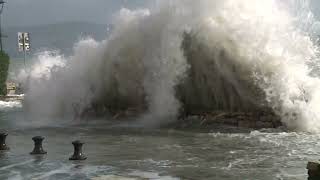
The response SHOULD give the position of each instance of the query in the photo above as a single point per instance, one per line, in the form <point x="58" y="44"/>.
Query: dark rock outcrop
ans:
<point x="252" y="120"/>
<point x="313" y="170"/>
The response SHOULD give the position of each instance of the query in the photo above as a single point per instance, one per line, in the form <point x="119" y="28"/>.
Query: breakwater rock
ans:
<point x="313" y="170"/>
<point x="252" y="120"/>
<point x="10" y="98"/>
<point x="208" y="119"/>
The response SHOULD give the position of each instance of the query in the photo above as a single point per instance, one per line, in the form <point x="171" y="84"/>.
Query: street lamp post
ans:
<point x="1" y="10"/>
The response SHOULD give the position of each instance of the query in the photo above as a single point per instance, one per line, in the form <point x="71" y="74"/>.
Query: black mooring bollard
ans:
<point x="77" y="155"/>
<point x="38" y="149"/>
<point x="3" y="146"/>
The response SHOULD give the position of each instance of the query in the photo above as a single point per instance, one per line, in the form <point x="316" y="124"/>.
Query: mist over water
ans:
<point x="233" y="55"/>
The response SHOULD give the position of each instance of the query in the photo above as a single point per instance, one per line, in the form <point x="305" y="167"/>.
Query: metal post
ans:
<point x="24" y="51"/>
<point x="24" y="58"/>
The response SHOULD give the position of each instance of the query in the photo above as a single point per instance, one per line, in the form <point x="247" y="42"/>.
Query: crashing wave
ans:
<point x="233" y="55"/>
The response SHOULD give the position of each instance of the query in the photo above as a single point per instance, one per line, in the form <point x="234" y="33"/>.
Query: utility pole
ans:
<point x="1" y="10"/>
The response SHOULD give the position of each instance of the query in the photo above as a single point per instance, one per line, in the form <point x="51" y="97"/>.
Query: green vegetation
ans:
<point x="4" y="67"/>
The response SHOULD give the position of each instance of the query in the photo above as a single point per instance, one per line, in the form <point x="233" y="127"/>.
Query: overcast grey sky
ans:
<point x="34" y="12"/>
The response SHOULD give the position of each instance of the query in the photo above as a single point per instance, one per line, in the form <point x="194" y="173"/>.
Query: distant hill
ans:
<point x="60" y="36"/>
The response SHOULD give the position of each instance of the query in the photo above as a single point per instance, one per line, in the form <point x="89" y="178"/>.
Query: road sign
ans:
<point x="23" y="44"/>
<point x="23" y="41"/>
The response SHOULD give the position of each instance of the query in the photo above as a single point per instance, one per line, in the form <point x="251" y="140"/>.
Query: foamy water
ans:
<point x="6" y="106"/>
<point x="137" y="154"/>
<point x="238" y="48"/>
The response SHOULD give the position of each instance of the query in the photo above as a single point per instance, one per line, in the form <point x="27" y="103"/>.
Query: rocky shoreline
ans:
<point x="12" y="98"/>
<point x="212" y="119"/>
<point x="251" y="120"/>
<point x="313" y="170"/>
<point x="9" y="98"/>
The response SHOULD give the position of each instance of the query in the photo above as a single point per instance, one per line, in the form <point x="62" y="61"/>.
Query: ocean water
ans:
<point x="118" y="150"/>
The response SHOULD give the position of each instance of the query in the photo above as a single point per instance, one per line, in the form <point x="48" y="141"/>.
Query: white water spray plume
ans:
<point x="233" y="55"/>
